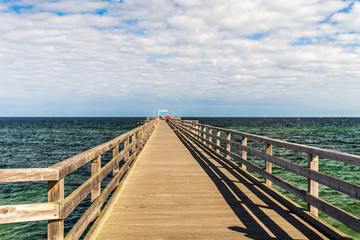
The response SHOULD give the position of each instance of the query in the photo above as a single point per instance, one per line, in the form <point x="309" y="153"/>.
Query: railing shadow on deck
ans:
<point x="204" y="136"/>
<point x="232" y="193"/>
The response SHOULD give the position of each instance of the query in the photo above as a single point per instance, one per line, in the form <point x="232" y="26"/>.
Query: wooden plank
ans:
<point x="103" y="215"/>
<point x="133" y="139"/>
<point x="313" y="186"/>
<point x="29" y="212"/>
<point x="324" y="153"/>
<point x="204" y="135"/>
<point x="244" y="153"/>
<point x="126" y="144"/>
<point x="165" y="195"/>
<point x="71" y="164"/>
<point x="228" y="146"/>
<point x="56" y="194"/>
<point x="320" y="224"/>
<point x="350" y="189"/>
<point x="92" y="212"/>
<point x="337" y="213"/>
<point x="268" y="164"/>
<point x="95" y="167"/>
<point x="76" y="197"/>
<point x="210" y="138"/>
<point x="217" y="141"/>
<point x="115" y="153"/>
<point x="28" y="174"/>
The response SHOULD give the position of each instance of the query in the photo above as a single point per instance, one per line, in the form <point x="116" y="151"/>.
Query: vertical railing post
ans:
<point x="142" y="137"/>
<point x="218" y="141"/>
<point x="228" y="148"/>
<point x="196" y="131"/>
<point x="55" y="194"/>
<point x="199" y="133"/>
<point x="268" y="165"/>
<point x="244" y="153"/>
<point x="313" y="186"/>
<point x="204" y="135"/>
<point x="133" y="140"/>
<point x="126" y="144"/>
<point x="95" y="192"/>
<point x="115" y="152"/>
<point x="210" y="138"/>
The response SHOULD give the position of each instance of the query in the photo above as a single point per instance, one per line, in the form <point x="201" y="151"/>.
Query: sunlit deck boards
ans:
<point x="178" y="190"/>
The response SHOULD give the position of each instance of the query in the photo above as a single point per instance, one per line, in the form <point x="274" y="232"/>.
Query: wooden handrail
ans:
<point x="73" y="163"/>
<point x="29" y="212"/>
<point x="28" y="174"/>
<point x="59" y="207"/>
<point x="324" y="153"/>
<point x="207" y="134"/>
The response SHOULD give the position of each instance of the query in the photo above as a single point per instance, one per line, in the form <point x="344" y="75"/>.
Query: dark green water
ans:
<point x="42" y="142"/>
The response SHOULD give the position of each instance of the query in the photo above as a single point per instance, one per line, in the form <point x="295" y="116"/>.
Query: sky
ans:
<point x="248" y="58"/>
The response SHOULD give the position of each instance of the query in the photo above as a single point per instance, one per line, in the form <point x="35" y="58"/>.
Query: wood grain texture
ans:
<point x="348" y="188"/>
<point x="324" y="153"/>
<point x="29" y="212"/>
<point x="335" y="212"/>
<point x="71" y="164"/>
<point x="179" y="191"/>
<point x="56" y="194"/>
<point x="28" y="174"/>
<point x="268" y="164"/>
<point x="313" y="186"/>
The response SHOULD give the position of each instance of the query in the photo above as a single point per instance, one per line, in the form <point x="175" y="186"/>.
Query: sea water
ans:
<point x="42" y="142"/>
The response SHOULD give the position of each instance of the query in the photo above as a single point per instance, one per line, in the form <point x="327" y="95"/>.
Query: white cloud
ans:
<point x="183" y="50"/>
<point x="349" y="21"/>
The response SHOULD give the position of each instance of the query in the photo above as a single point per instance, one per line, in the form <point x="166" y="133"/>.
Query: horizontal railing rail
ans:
<point x="212" y="137"/>
<point x="58" y="207"/>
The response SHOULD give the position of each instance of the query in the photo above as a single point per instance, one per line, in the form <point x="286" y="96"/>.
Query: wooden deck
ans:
<point x="180" y="190"/>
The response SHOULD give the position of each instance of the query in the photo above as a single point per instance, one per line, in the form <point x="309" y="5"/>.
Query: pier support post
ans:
<point x="198" y="133"/>
<point x="126" y="144"/>
<point x="95" y="192"/>
<point x="228" y="137"/>
<point x="218" y="141"/>
<point x="95" y="167"/>
<point x="204" y="135"/>
<point x="268" y="165"/>
<point x="55" y="194"/>
<point x="244" y="153"/>
<point x="313" y="186"/>
<point x="133" y="140"/>
<point x="210" y="138"/>
<point x="115" y="152"/>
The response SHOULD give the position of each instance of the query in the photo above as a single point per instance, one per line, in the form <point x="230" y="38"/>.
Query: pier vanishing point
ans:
<point x="186" y="180"/>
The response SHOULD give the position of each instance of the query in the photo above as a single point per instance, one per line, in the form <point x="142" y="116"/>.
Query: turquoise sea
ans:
<point x="42" y="142"/>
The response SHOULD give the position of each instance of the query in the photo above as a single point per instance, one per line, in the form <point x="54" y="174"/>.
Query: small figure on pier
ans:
<point x="167" y="118"/>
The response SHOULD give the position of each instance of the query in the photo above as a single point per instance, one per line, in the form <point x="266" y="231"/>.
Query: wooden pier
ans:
<point x="178" y="190"/>
<point x="181" y="181"/>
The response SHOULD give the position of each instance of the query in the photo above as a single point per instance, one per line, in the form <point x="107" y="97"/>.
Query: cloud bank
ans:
<point x="227" y="58"/>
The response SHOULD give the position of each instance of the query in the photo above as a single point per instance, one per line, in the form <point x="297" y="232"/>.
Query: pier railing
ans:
<point x="125" y="149"/>
<point x="220" y="140"/>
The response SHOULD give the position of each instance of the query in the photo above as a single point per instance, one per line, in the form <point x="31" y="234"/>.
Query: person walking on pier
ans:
<point x="167" y="118"/>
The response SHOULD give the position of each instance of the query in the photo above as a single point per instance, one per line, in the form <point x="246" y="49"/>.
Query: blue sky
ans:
<point x="197" y="57"/>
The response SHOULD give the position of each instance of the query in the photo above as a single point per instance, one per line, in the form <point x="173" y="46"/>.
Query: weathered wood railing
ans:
<point x="212" y="137"/>
<point x="58" y="208"/>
